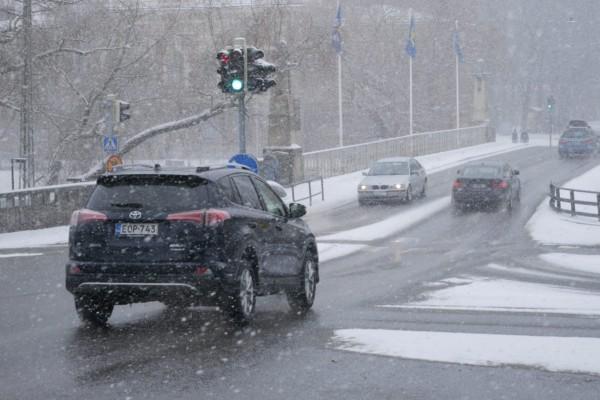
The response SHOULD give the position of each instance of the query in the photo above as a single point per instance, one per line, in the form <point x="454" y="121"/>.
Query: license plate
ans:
<point x="136" y="229"/>
<point x="479" y="185"/>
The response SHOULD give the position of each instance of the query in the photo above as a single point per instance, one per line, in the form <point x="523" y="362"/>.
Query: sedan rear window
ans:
<point x="481" y="171"/>
<point x="390" y="168"/>
<point x="164" y="194"/>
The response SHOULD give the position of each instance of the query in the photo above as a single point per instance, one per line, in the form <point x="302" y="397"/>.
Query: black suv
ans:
<point x="184" y="237"/>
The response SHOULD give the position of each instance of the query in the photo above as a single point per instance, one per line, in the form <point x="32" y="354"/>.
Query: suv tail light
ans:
<point x="84" y="215"/>
<point x="210" y="217"/>
<point x="214" y="217"/>
<point x="500" y="184"/>
<point x="457" y="184"/>
<point x="188" y="216"/>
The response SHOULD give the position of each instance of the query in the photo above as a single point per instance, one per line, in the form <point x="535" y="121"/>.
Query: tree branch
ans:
<point x="157" y="130"/>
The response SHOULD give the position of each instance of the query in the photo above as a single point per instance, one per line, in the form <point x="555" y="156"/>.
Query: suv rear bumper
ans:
<point x="125" y="288"/>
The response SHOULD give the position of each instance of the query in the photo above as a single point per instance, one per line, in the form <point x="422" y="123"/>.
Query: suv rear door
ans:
<point x="137" y="226"/>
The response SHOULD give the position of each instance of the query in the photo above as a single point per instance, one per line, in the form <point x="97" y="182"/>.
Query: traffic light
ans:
<point x="550" y="103"/>
<point x="121" y="111"/>
<point x="259" y="71"/>
<point x="232" y="70"/>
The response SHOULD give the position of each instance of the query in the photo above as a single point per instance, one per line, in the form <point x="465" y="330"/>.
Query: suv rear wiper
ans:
<point x="127" y="205"/>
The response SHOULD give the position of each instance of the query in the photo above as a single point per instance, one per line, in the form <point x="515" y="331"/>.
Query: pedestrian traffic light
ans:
<point x="259" y="71"/>
<point x="121" y="111"/>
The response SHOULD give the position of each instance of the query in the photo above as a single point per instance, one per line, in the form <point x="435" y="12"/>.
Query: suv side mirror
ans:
<point x="297" y="210"/>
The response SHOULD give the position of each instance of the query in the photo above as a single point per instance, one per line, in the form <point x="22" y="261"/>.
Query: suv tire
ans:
<point x="240" y="303"/>
<point x="302" y="297"/>
<point x="93" y="310"/>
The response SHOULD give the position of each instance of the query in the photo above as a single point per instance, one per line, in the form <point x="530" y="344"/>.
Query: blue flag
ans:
<point x="457" y="49"/>
<point x="411" y="45"/>
<point x="336" y="36"/>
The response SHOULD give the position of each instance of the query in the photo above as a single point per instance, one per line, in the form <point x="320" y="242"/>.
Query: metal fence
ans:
<point x="574" y="204"/>
<point x="343" y="160"/>
<point x="311" y="192"/>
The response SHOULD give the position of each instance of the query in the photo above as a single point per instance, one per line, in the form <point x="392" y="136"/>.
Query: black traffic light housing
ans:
<point x="259" y="71"/>
<point x="231" y="70"/>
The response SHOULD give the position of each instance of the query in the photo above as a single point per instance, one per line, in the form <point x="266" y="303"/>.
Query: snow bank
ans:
<point x="482" y="294"/>
<point x="575" y="262"/>
<point x="564" y="354"/>
<point x="392" y="225"/>
<point x="36" y="238"/>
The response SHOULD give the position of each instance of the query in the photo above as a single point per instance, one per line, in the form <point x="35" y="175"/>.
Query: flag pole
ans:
<point x="340" y="102"/>
<point x="410" y="85"/>
<point x="457" y="82"/>
<point x="410" y="95"/>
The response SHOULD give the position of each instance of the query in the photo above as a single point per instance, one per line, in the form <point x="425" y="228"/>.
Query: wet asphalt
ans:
<point x="150" y="352"/>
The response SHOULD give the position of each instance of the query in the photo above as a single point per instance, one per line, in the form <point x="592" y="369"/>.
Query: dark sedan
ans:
<point x="486" y="184"/>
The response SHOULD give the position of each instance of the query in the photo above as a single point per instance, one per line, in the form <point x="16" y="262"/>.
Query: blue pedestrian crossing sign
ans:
<point x="110" y="144"/>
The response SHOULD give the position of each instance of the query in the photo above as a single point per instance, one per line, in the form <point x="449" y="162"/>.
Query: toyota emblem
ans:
<point x="135" y="214"/>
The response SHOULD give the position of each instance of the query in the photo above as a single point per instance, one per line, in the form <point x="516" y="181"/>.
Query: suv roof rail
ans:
<point x="125" y="167"/>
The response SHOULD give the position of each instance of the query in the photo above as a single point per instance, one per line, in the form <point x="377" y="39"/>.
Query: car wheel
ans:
<point x="409" y="194"/>
<point x="424" y="190"/>
<point x="509" y="203"/>
<point x="241" y="303"/>
<point x="93" y="310"/>
<point x="302" y="297"/>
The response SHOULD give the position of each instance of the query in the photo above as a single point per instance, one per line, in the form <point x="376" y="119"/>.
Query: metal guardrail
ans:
<point x="557" y="202"/>
<point x="311" y="194"/>
<point x="343" y="160"/>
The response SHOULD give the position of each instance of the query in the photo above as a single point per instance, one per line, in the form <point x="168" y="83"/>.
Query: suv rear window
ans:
<point x="576" y="134"/>
<point x="157" y="193"/>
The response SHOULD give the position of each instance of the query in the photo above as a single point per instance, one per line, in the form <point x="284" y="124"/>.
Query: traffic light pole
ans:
<point x="242" y="121"/>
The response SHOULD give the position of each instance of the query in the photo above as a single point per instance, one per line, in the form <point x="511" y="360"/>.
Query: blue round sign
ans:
<point x="244" y="160"/>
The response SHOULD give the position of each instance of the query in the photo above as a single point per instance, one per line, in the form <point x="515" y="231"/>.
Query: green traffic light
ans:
<point x="237" y="85"/>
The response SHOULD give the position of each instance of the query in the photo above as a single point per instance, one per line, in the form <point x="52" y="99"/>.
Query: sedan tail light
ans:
<point x="84" y="215"/>
<point x="210" y="217"/>
<point x="500" y="184"/>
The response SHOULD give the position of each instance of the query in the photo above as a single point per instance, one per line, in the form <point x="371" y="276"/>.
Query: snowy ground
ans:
<point x="345" y="192"/>
<point x="568" y="354"/>
<point x="502" y="295"/>
<point x="552" y="228"/>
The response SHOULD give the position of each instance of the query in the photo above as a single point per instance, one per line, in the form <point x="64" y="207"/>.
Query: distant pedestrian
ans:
<point x="515" y="136"/>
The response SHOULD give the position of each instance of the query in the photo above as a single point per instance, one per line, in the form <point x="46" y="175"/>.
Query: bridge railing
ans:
<point x="578" y="202"/>
<point x="343" y="160"/>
